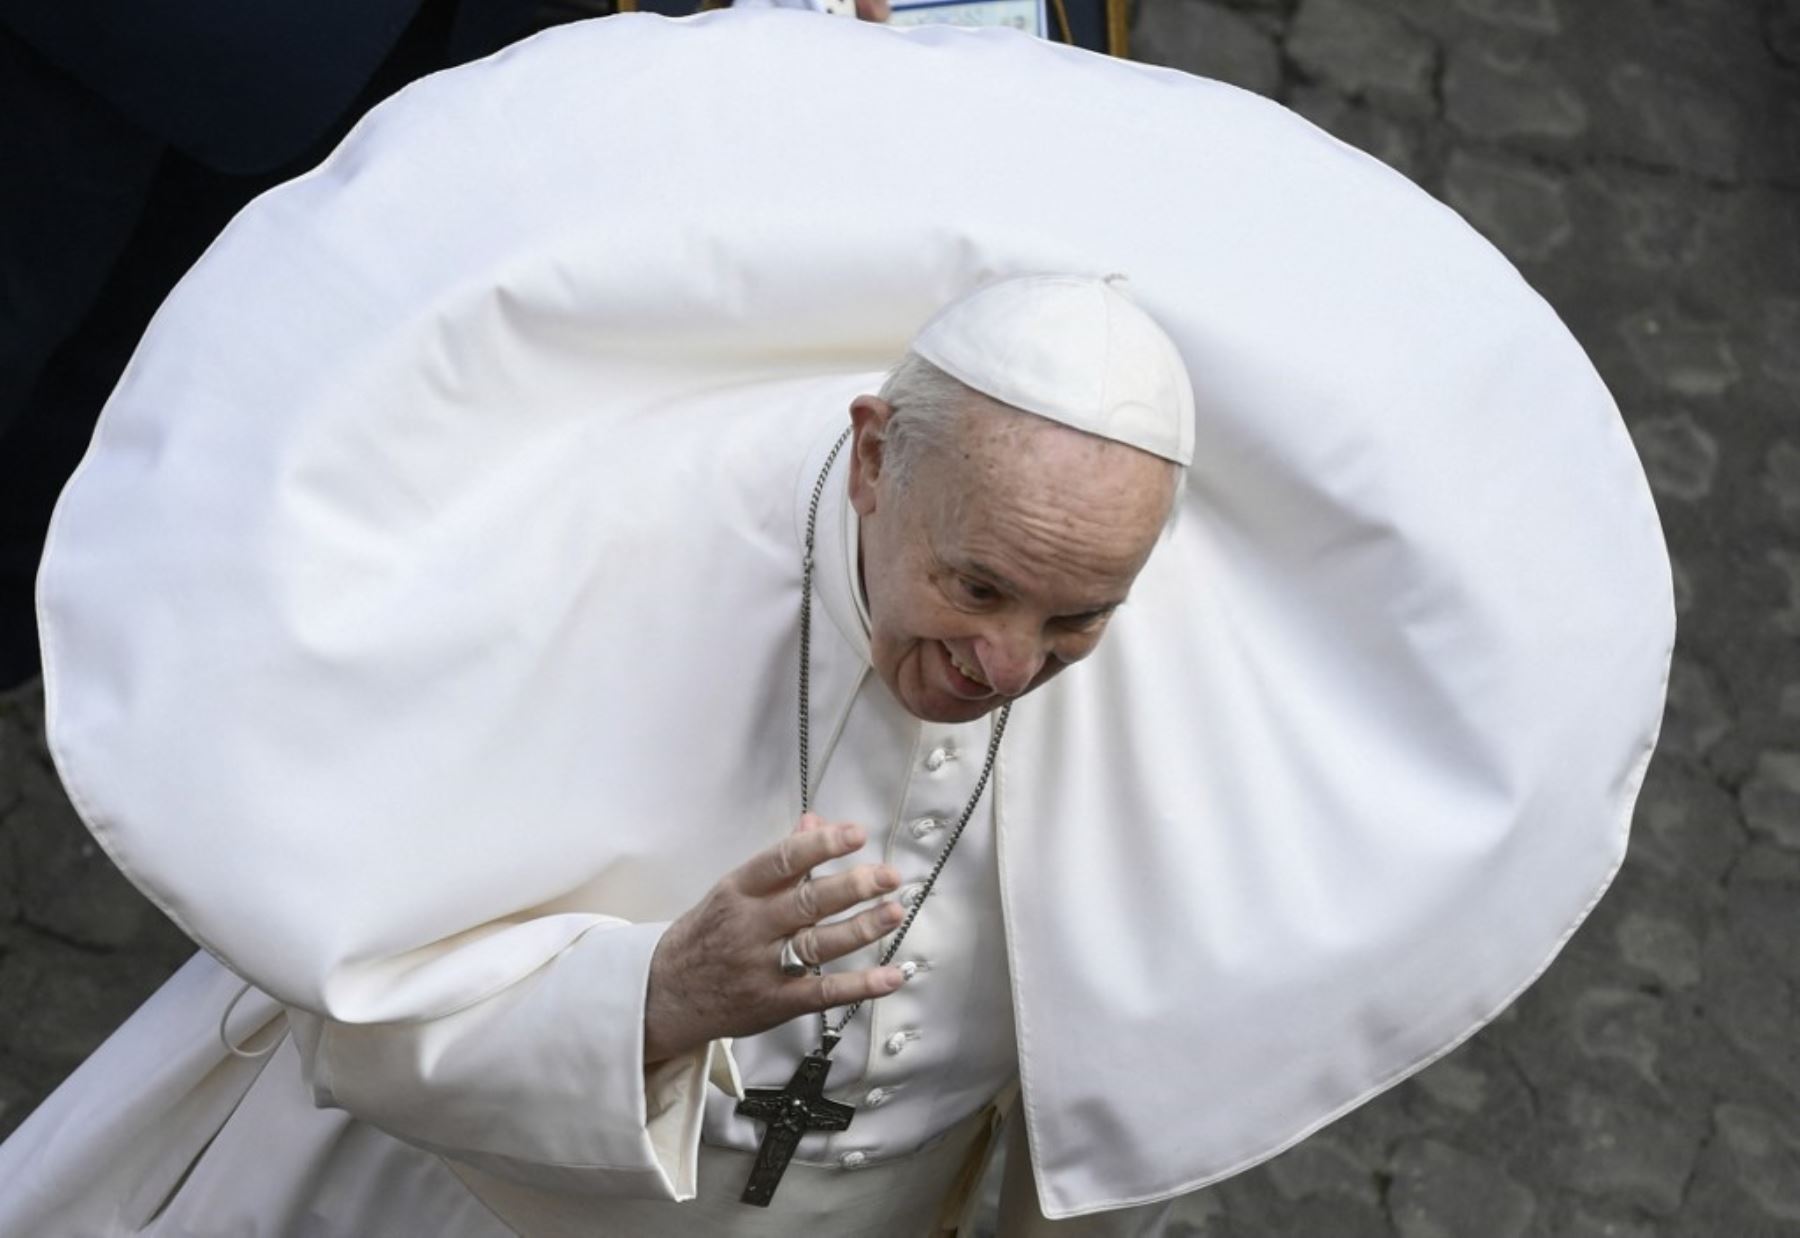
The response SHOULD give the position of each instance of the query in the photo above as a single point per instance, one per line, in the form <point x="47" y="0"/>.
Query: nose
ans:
<point x="1010" y="659"/>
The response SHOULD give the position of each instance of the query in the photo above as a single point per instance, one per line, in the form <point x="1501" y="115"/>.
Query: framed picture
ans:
<point x="1098" y="25"/>
<point x="1029" y="16"/>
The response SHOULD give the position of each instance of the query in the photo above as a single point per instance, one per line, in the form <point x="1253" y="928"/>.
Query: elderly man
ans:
<point x="987" y="547"/>
<point x="961" y="552"/>
<point x="499" y="654"/>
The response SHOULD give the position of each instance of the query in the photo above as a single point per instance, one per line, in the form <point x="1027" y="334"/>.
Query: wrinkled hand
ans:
<point x="716" y="971"/>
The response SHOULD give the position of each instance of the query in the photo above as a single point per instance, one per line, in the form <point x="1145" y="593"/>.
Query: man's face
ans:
<point x="1000" y="561"/>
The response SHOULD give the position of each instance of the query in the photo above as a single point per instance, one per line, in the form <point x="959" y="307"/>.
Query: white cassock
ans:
<point x="420" y="632"/>
<point x="221" y="1143"/>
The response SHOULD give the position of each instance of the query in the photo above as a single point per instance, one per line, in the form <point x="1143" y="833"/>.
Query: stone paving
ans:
<point x="1640" y="161"/>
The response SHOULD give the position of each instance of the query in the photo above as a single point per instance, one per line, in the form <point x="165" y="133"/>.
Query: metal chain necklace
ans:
<point x="791" y="1111"/>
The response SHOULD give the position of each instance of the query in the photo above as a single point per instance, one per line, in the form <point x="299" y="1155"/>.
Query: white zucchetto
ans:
<point x="1074" y="350"/>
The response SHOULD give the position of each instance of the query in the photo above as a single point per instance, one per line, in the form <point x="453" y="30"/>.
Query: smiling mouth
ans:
<point x="973" y="674"/>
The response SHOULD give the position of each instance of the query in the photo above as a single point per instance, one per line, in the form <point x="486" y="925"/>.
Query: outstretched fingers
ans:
<point x="841" y="988"/>
<point x="821" y="943"/>
<point x="784" y="864"/>
<point x="811" y="901"/>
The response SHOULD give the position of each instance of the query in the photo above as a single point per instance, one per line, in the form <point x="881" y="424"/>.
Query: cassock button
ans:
<point x="908" y="970"/>
<point x="853" y="1160"/>
<point x="925" y="827"/>
<point x="897" y="1041"/>
<point x="934" y="760"/>
<point x="910" y="895"/>
<point x="877" y="1097"/>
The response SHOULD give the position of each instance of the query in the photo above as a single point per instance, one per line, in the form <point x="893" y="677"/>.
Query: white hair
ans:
<point x="929" y="409"/>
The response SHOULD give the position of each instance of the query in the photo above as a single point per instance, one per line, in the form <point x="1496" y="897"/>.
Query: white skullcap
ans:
<point x="1073" y="349"/>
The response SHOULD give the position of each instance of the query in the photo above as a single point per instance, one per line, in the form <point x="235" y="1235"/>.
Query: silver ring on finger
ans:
<point x="791" y="962"/>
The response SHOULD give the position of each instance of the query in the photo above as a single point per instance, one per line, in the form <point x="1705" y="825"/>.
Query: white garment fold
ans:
<point x="434" y="619"/>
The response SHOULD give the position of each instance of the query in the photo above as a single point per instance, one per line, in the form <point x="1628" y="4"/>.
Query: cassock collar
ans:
<point x="837" y="578"/>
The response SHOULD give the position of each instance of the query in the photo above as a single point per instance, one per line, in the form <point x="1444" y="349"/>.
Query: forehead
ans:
<point x="1047" y="508"/>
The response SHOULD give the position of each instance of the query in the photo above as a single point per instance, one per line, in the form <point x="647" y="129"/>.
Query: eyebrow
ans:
<point x="976" y="567"/>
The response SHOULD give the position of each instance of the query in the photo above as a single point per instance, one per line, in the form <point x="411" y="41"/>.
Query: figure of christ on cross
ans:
<point x="790" y="1112"/>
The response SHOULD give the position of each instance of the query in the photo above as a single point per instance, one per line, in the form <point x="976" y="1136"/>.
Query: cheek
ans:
<point x="900" y="630"/>
<point x="913" y="613"/>
<point x="899" y="597"/>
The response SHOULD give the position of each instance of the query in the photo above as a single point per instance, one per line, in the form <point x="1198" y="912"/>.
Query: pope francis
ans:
<point x="594" y="664"/>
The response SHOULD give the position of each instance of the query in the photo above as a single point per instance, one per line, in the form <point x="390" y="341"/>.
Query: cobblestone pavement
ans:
<point x="1640" y="161"/>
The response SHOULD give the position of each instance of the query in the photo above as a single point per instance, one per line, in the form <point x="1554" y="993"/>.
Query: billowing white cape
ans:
<point x="399" y="627"/>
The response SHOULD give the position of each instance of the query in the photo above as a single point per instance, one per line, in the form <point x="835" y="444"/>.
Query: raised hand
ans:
<point x="716" y="972"/>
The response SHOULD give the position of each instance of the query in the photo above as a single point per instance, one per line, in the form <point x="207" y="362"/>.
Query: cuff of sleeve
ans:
<point x="675" y="1109"/>
<point x="724" y="1073"/>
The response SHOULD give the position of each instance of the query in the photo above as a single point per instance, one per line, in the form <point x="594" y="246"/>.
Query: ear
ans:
<point x="868" y="421"/>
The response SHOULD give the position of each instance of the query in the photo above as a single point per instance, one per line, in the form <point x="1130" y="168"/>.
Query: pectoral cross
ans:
<point x="790" y="1112"/>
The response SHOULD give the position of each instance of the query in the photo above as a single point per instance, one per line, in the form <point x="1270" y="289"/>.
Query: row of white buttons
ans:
<point x="875" y="1098"/>
<point x="924" y="827"/>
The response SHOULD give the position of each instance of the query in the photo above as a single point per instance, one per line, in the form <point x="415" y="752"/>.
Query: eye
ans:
<point x="1092" y="621"/>
<point x="976" y="591"/>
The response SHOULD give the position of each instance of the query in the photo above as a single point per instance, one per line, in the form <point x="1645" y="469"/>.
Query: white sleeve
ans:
<point x="543" y="1083"/>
